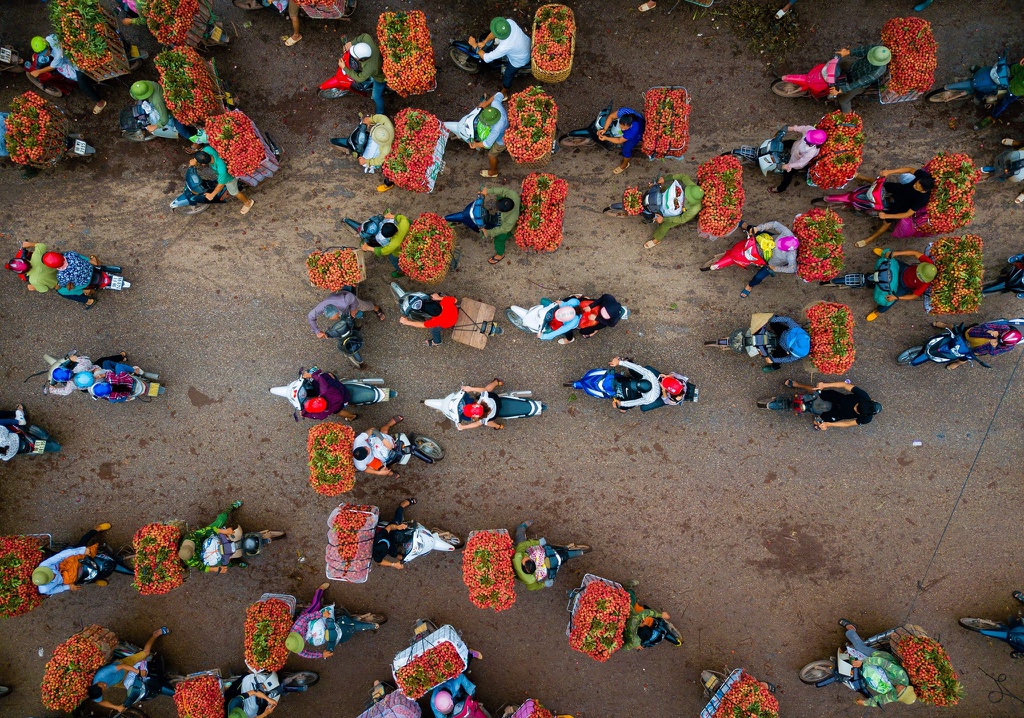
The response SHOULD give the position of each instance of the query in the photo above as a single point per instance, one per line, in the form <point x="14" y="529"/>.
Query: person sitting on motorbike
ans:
<point x="317" y="631"/>
<point x="366" y="66"/>
<point x="598" y="314"/>
<point x="59" y="573"/>
<point x="488" y="131"/>
<point x="646" y="627"/>
<point x="74" y="274"/>
<point x="444" y="312"/>
<point x="632" y="386"/>
<point x="111" y="683"/>
<point x="877" y="674"/>
<point x="374" y="449"/>
<point x="390" y="234"/>
<point x="52" y="59"/>
<point x="988" y="339"/>
<point x="332" y="308"/>
<point x="9" y="441"/>
<point x="508" y="214"/>
<point x="480" y="410"/>
<point x="33" y="269"/>
<point x="390" y="538"/>
<point x="801" y="152"/>
<point x="187" y="551"/>
<point x="792" y="342"/>
<point x="850" y="407"/>
<point x="623" y="127"/>
<point x="673" y="391"/>
<point x="448" y="700"/>
<point x="1009" y="165"/>
<point x="565" y="318"/>
<point x="325" y="397"/>
<point x="382" y="135"/>
<point x="862" y="67"/>
<point x="512" y="44"/>
<point x="1014" y="92"/>
<point x="683" y="203"/>
<point x="208" y="156"/>
<point x="911" y="280"/>
<point x="147" y="91"/>
<point x="536" y="562"/>
<point x="905" y="194"/>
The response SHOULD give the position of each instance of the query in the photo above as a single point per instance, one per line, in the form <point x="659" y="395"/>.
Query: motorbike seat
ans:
<point x="360" y="393"/>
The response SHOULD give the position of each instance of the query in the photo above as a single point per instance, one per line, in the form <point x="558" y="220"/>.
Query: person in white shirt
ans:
<point x="513" y="45"/>
<point x="801" y="152"/>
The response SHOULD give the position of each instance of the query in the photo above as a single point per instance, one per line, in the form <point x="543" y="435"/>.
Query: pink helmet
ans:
<point x="816" y="137"/>
<point x="443" y="702"/>
<point x="787" y="243"/>
<point x="18" y="265"/>
<point x="1010" y="337"/>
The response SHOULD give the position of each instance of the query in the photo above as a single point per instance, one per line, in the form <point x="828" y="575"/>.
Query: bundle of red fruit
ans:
<point x="632" y="201"/>
<point x="199" y="697"/>
<point x="408" y="57"/>
<point x="747" y="697"/>
<point x="543" y="208"/>
<point x="19" y="556"/>
<point x="951" y="205"/>
<point x="334" y="270"/>
<point x="87" y="36"/>
<point x="426" y="251"/>
<point x="831" y="337"/>
<point x="956" y="288"/>
<point x="819" y="257"/>
<point x="431" y="668"/>
<point x="69" y="673"/>
<point x="36" y="131"/>
<point x="840" y="157"/>
<point x="349" y="522"/>
<point x="930" y="672"/>
<point x="267" y="624"/>
<point x="417" y="135"/>
<point x="536" y="710"/>
<point x="170" y="20"/>
<point x="157" y="566"/>
<point x="189" y="90"/>
<point x="532" y="116"/>
<point x="598" y="620"/>
<point x="721" y="179"/>
<point x="234" y="137"/>
<point x="554" y="32"/>
<point x="331" y="471"/>
<point x="667" y="122"/>
<point x="487" y="570"/>
<point x="914" y="54"/>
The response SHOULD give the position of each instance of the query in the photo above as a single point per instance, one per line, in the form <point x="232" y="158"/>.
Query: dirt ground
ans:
<point x="755" y="532"/>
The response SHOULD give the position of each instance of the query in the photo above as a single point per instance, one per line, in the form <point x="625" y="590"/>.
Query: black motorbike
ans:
<point x="356" y="141"/>
<point x="466" y="58"/>
<point x="33" y="440"/>
<point x="949" y="346"/>
<point x="349" y="337"/>
<point x="651" y="201"/>
<point x="1010" y="280"/>
<point x="1010" y="632"/>
<point x="410" y="305"/>
<point x="586" y="136"/>
<point x="271" y="684"/>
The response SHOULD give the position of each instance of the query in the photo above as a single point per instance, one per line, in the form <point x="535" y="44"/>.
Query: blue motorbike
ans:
<point x="475" y="216"/>
<point x="988" y="85"/>
<point x="950" y="346"/>
<point x="1010" y="632"/>
<point x="466" y="58"/>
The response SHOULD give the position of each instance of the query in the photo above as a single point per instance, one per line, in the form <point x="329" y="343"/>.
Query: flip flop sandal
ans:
<point x="496" y="258"/>
<point x="620" y="170"/>
<point x="487" y="174"/>
<point x="100" y="106"/>
<point x="90" y="304"/>
<point x="563" y="340"/>
<point x="246" y="208"/>
<point x="379" y="313"/>
<point x="411" y="500"/>
<point x="398" y="418"/>
<point x="289" y="42"/>
<point x="431" y="343"/>
<point x="744" y="293"/>
<point x="788" y="383"/>
<point x="650" y="244"/>
<point x="1008" y="141"/>
<point x="649" y="5"/>
<point x="1019" y="199"/>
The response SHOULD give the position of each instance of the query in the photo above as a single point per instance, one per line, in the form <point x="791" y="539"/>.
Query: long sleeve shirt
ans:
<point x="459" y="688"/>
<point x="68" y="387"/>
<point x="508" y="219"/>
<point x="862" y="73"/>
<point x="781" y="262"/>
<point x="382" y="150"/>
<point x="690" y="210"/>
<point x="57" y="585"/>
<point x="40" y="276"/>
<point x="402" y="222"/>
<point x="777" y="325"/>
<point x="344" y="301"/>
<point x="802" y="153"/>
<point x="881" y="671"/>
<point x="156" y="100"/>
<point x="516" y="47"/>
<point x="372" y="67"/>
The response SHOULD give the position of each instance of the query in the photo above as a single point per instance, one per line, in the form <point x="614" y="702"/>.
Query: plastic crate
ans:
<point x="358" y="569"/>
<point x="437" y="166"/>
<point x="290" y="600"/>
<point x="326" y="10"/>
<point x="886" y="97"/>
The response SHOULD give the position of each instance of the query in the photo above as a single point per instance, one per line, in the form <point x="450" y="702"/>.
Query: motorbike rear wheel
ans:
<point x="907" y="356"/>
<point x="980" y="624"/>
<point x="190" y="209"/>
<point x="817" y="671"/>
<point x="944" y="95"/>
<point x="462" y="61"/>
<point x="783" y="88"/>
<point x="569" y="141"/>
<point x="301" y="678"/>
<point x="429" y="447"/>
<point x="331" y="94"/>
<point x="48" y="89"/>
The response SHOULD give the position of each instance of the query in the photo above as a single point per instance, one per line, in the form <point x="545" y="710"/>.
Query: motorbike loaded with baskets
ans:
<point x="415" y="673"/>
<point x="721" y="690"/>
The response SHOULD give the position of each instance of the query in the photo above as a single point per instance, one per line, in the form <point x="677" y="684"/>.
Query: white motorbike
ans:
<point x="464" y="128"/>
<point x="269" y="684"/>
<point x="425" y="540"/>
<point x="538" y="317"/>
<point x="512" y="405"/>
<point x="362" y="392"/>
<point x="144" y="386"/>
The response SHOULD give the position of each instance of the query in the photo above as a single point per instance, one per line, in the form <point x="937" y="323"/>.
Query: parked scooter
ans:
<point x="987" y="85"/>
<point x="1010" y="280"/>
<point x="949" y="346"/>
<point x="815" y="83"/>
<point x="475" y="216"/>
<point x="466" y="58"/>
<point x="410" y="303"/>
<point x="349" y="337"/>
<point x="769" y="156"/>
<point x="586" y="136"/>
<point x="341" y="84"/>
<point x="361" y="392"/>
<point x="270" y="684"/>
<point x="10" y="60"/>
<point x="511" y="405"/>
<point x="1010" y="632"/>
<point x="538" y="318"/>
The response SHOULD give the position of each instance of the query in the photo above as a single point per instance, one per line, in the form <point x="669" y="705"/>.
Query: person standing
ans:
<point x="365" y="65"/>
<point x="444" y="314"/>
<point x="508" y="208"/>
<point x="623" y="127"/>
<point x="293" y="16"/>
<point x="337" y="303"/>
<point x="389" y="237"/>
<point x="489" y="132"/>
<point x="862" y="67"/>
<point x="208" y="156"/>
<point x="513" y="45"/>
<point x="682" y="201"/>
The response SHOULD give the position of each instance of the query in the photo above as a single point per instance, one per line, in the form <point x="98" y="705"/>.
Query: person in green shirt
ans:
<point x="646" y="627"/>
<point x="151" y="92"/>
<point x="681" y="201"/>
<point x="876" y="673"/>
<point x="40" y="278"/>
<point x="208" y="156"/>
<point x="508" y="209"/>
<point x="365" y="65"/>
<point x="388" y="240"/>
<point x="536" y="562"/>
<point x="191" y="547"/>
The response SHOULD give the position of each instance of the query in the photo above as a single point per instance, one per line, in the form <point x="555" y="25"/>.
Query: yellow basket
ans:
<point x="552" y="77"/>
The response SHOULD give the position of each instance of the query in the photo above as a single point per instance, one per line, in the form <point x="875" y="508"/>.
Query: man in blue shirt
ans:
<point x="623" y="127"/>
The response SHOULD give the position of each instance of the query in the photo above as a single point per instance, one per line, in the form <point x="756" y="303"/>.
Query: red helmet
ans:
<point x="315" y="405"/>
<point x="17" y="265"/>
<point x="672" y="385"/>
<point x="1010" y="337"/>
<point x="473" y="411"/>
<point x="53" y="260"/>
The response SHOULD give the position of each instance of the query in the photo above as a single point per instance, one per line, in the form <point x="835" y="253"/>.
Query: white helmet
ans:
<point x="361" y="51"/>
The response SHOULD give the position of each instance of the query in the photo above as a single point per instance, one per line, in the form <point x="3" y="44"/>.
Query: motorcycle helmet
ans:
<point x="489" y="116"/>
<point x="84" y="379"/>
<point x="816" y="137"/>
<point x="879" y="55"/>
<point x="370" y="227"/>
<point x="60" y="374"/>
<point x="53" y="260"/>
<point x="787" y="243"/>
<point x="17" y="265"/>
<point x="237" y="712"/>
<point x="644" y="386"/>
<point x="102" y="389"/>
<point x="42" y="576"/>
<point x="315" y="405"/>
<point x="473" y="411"/>
<point x="693" y="193"/>
<point x="501" y="28"/>
<point x="565" y="314"/>
<point x="672" y="385"/>
<point x="361" y="51"/>
<point x="294" y="643"/>
<point x="796" y="342"/>
<point x="443" y="702"/>
<point x="39" y="44"/>
<point x="926" y="271"/>
<point x="251" y="544"/>
<point x="1010" y="337"/>
<point x="141" y="90"/>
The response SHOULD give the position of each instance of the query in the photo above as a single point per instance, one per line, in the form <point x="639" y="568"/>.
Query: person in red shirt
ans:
<point x="914" y="280"/>
<point x="444" y="313"/>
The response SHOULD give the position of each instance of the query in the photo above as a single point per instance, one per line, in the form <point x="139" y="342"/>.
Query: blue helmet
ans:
<point x="796" y="342"/>
<point x="61" y="374"/>
<point x="101" y="389"/>
<point x="84" y="379"/>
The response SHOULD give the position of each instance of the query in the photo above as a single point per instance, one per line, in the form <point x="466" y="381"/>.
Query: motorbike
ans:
<point x="466" y="58"/>
<point x="799" y="403"/>
<point x="653" y="201"/>
<point x="350" y="338"/>
<point x="90" y="568"/>
<point x="1010" y="280"/>
<point x="769" y="156"/>
<point x="361" y="392"/>
<point x="815" y="83"/>
<point x="425" y="540"/>
<point x="144" y="687"/>
<point x="193" y="199"/>
<point x="512" y="405"/>
<point x="949" y="346"/>
<point x="356" y="142"/>
<point x="33" y="440"/>
<point x="606" y="383"/>
<point x="867" y="199"/>
<point x="270" y="684"/>
<point x="341" y="84"/>
<point x="134" y="120"/>
<point x="987" y="85"/>
<point x="475" y="216"/>
<point x="1010" y="632"/>
<point x="10" y="60"/>
<point x="586" y="136"/>
<point x="409" y="304"/>
<point x="538" y="317"/>
<point x="56" y="85"/>
<point x="826" y="671"/>
<point x="749" y="341"/>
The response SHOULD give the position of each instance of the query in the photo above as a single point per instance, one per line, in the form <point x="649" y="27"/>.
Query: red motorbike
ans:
<point x="815" y="83"/>
<point x="869" y="199"/>
<point x="745" y="253"/>
<point x="341" y="84"/>
<point x="52" y="83"/>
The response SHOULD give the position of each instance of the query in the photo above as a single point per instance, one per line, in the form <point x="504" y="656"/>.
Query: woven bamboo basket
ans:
<point x="553" y="77"/>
